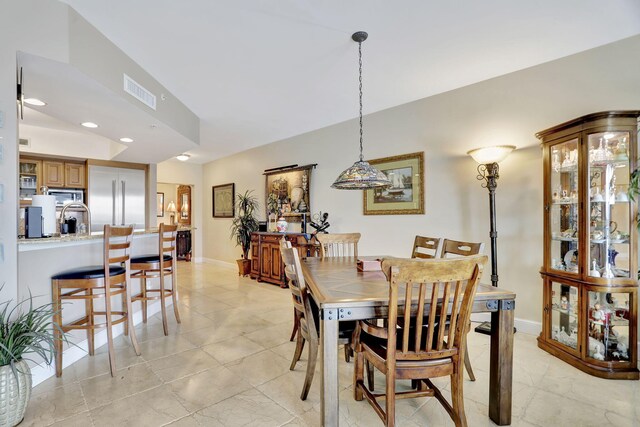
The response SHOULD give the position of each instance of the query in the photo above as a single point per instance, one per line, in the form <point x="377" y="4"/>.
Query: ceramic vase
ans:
<point x="281" y="225"/>
<point x="15" y="391"/>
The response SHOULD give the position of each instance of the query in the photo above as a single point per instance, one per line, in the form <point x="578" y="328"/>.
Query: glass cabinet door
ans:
<point x="564" y="314"/>
<point x="609" y="334"/>
<point x="609" y="207"/>
<point x="29" y="179"/>
<point x="563" y="210"/>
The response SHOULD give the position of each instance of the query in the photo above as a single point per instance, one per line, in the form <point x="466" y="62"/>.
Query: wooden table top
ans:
<point x="336" y="282"/>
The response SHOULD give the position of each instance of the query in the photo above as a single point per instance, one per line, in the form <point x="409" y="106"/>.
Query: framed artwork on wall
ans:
<point x="160" y="204"/>
<point x="287" y="191"/>
<point x="406" y="194"/>
<point x="223" y="197"/>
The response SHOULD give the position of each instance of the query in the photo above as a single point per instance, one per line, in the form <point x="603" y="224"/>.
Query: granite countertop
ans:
<point x="96" y="235"/>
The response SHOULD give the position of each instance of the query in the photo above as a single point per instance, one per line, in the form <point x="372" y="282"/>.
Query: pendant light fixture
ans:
<point x="361" y="175"/>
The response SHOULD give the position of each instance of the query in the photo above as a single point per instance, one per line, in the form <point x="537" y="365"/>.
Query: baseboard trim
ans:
<point x="525" y="326"/>
<point x="219" y="263"/>
<point x="40" y="373"/>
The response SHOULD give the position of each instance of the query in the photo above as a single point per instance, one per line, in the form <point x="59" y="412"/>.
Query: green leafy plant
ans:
<point x="25" y="332"/>
<point x="245" y="223"/>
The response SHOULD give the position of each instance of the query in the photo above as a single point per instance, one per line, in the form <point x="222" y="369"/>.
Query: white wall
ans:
<point x="507" y="109"/>
<point x="174" y="171"/>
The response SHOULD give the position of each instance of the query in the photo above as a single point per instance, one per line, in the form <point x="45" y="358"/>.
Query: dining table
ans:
<point x="343" y="293"/>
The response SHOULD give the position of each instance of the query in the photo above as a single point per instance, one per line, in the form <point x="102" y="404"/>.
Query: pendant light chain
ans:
<point x="360" y="78"/>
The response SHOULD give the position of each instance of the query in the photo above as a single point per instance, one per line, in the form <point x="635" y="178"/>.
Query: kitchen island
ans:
<point x="39" y="259"/>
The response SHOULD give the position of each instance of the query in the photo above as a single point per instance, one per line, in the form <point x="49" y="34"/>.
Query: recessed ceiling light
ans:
<point x="183" y="157"/>
<point x="89" y="125"/>
<point x="126" y="140"/>
<point x="35" y="101"/>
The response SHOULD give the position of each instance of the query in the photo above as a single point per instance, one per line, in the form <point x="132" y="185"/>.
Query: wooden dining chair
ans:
<point x="145" y="267"/>
<point x="456" y="248"/>
<point x="307" y="315"/>
<point x="426" y="247"/>
<point x="414" y="350"/>
<point x="89" y="284"/>
<point x="338" y="244"/>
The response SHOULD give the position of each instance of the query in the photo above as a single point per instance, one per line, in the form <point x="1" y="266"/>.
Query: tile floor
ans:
<point x="227" y="364"/>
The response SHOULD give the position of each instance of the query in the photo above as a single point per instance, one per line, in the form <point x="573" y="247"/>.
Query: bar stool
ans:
<point x="89" y="284"/>
<point x="149" y="266"/>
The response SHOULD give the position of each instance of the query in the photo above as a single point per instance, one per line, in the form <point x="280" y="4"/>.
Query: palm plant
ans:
<point x="245" y="223"/>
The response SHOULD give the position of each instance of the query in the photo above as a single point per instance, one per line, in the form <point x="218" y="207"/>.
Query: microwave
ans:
<point x="64" y="196"/>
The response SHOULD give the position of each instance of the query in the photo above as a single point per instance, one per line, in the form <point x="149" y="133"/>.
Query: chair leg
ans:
<point x="347" y="353"/>
<point x="107" y="309"/>
<point x="132" y="329"/>
<point x="370" y="376"/>
<point x="457" y="400"/>
<point x="174" y="290"/>
<point x="297" y="352"/>
<point x="163" y="308"/>
<point x="311" y="369"/>
<point x="358" y="375"/>
<point x="467" y="364"/>
<point x="390" y="399"/>
<point x="57" y="333"/>
<point x="296" y="324"/>
<point x="91" y="333"/>
<point x="143" y="295"/>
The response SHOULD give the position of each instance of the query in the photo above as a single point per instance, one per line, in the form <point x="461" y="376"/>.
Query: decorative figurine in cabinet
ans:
<point x="590" y="246"/>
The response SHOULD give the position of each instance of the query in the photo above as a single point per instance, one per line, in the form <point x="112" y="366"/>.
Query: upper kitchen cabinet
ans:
<point x="58" y="174"/>
<point x="53" y="174"/>
<point x="74" y="175"/>
<point x="30" y="179"/>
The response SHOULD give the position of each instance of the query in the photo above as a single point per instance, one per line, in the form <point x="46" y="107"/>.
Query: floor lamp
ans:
<point x="488" y="173"/>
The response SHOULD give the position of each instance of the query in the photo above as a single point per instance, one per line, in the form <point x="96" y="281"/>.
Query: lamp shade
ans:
<point x="361" y="176"/>
<point x="487" y="155"/>
<point x="171" y="207"/>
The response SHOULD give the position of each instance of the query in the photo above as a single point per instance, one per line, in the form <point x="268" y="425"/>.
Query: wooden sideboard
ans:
<point x="266" y="262"/>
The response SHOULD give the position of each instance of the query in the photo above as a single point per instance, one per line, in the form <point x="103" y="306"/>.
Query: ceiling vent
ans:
<point x="25" y="142"/>
<point x="138" y="92"/>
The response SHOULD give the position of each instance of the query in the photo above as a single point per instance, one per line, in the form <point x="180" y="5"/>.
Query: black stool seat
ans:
<point x="92" y="272"/>
<point x="149" y="258"/>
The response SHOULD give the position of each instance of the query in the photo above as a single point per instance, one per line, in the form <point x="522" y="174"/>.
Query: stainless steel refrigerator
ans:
<point x="116" y="196"/>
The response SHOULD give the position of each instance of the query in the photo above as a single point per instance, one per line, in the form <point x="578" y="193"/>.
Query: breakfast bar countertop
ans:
<point x="77" y="239"/>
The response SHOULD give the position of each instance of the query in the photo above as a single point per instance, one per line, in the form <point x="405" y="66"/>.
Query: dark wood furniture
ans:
<point x="425" y="247"/>
<point x="342" y="294"/>
<point x="418" y="346"/>
<point x="159" y="266"/>
<point x="589" y="269"/>
<point x="184" y="245"/>
<point x="88" y="284"/>
<point x="266" y="261"/>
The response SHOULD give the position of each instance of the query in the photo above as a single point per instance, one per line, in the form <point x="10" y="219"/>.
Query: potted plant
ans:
<point x="22" y="332"/>
<point x="242" y="226"/>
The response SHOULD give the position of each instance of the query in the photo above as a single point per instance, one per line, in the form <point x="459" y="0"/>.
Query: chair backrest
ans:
<point x="338" y="244"/>
<point x="455" y="248"/>
<point x="297" y="286"/>
<point x="450" y="282"/>
<point x="117" y="246"/>
<point x="425" y="247"/>
<point x="167" y="239"/>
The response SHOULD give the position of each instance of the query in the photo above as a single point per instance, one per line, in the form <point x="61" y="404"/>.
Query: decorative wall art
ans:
<point x="406" y="194"/>
<point x="287" y="191"/>
<point x="223" y="197"/>
<point x="159" y="204"/>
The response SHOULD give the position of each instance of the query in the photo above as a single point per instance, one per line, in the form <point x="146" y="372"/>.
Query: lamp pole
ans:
<point x="489" y="173"/>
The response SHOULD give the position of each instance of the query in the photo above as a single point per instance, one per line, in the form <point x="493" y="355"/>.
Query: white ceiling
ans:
<point x="257" y="71"/>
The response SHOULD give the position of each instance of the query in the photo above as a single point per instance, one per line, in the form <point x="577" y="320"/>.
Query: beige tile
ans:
<point x="189" y="421"/>
<point x="182" y="364"/>
<point x="208" y="387"/>
<point x="203" y="337"/>
<point x="91" y="366"/>
<point x="271" y="336"/>
<point x="54" y="405"/>
<point x="103" y="389"/>
<point x="232" y="349"/>
<point x="285" y="391"/>
<point x="153" y="407"/>
<point x="81" y="420"/>
<point x="250" y="408"/>
<point x="164" y="346"/>
<point x="204" y="304"/>
<point x="260" y="367"/>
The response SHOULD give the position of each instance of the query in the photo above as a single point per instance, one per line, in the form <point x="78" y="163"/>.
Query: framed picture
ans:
<point x="287" y="192"/>
<point x="160" y="204"/>
<point x="406" y="194"/>
<point x="223" y="197"/>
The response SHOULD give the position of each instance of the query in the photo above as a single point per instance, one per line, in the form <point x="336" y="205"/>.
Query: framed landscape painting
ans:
<point x="222" y="198"/>
<point x="406" y="194"/>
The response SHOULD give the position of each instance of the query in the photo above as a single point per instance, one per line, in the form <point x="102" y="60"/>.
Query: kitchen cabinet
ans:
<point x="590" y="262"/>
<point x="116" y="196"/>
<point x="59" y="174"/>
<point x="29" y="180"/>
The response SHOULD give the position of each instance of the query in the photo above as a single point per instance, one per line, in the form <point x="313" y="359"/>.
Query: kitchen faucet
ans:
<point x="77" y="204"/>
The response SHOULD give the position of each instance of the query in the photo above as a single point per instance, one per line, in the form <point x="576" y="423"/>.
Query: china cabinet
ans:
<point x="29" y="179"/>
<point x="589" y="270"/>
